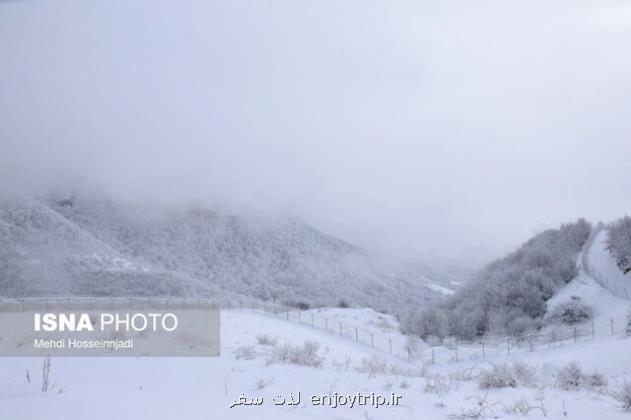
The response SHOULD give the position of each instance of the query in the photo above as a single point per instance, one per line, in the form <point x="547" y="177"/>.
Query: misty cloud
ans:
<point x="416" y="128"/>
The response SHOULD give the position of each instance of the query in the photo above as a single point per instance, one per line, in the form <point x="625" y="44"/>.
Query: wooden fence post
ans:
<point x="390" y="342"/>
<point x="340" y="328"/>
<point x="356" y="336"/>
<point x="612" y="330"/>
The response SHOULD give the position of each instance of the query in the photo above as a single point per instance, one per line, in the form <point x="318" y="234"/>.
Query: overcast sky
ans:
<point x="419" y="128"/>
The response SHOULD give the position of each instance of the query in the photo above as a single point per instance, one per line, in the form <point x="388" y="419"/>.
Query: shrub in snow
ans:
<point x="303" y="306"/>
<point x="266" y="340"/>
<point x="343" y="303"/>
<point x="624" y="396"/>
<point x="245" y="353"/>
<point x="501" y="376"/>
<point x="571" y="312"/>
<point x="373" y="366"/>
<point x="597" y="381"/>
<point x="262" y="383"/>
<point x="507" y="376"/>
<point x="430" y="322"/>
<point x="521" y="326"/>
<point x="437" y="384"/>
<point x="570" y="377"/>
<point x="413" y="347"/>
<point x="304" y="355"/>
<point x="524" y="374"/>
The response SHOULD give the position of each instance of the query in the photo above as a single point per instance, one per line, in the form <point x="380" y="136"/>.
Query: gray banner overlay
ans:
<point x="109" y="327"/>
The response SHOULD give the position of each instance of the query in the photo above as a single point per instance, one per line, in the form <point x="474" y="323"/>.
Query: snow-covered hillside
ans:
<point x="94" y="247"/>
<point x="599" y="264"/>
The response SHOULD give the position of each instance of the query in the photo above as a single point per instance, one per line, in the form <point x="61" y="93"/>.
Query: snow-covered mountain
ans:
<point x="94" y="247"/>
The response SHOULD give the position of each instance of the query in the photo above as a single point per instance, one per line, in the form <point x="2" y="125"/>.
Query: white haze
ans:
<point x="418" y="128"/>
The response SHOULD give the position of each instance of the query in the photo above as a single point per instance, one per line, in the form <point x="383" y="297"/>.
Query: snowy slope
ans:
<point x="599" y="284"/>
<point x="166" y="389"/>
<point x="601" y="266"/>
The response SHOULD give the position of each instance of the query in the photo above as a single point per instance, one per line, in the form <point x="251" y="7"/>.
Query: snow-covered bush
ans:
<point x="571" y="378"/>
<point x="245" y="353"/>
<point x="619" y="242"/>
<point x="343" y="303"/>
<point x="624" y="396"/>
<point x="266" y="340"/>
<point x="507" y="376"/>
<point x="300" y="305"/>
<point x="524" y="374"/>
<point x="501" y="376"/>
<point x="597" y="381"/>
<point x="304" y="355"/>
<point x="437" y="384"/>
<point x="373" y="366"/>
<point x="571" y="312"/>
<point x="430" y="322"/>
<point x="521" y="326"/>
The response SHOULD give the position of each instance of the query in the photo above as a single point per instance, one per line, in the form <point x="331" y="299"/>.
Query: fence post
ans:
<point x="299" y="316"/>
<point x="390" y="342"/>
<point x="340" y="328"/>
<point x="433" y="357"/>
<point x="575" y="335"/>
<point x="508" y="347"/>
<point x="356" y="336"/>
<point x="612" y="330"/>
<point x="593" y="332"/>
<point x="530" y="343"/>
<point x="326" y="324"/>
<point x="287" y="315"/>
<point x="409" y="354"/>
<point x="456" y="353"/>
<point x="312" y="324"/>
<point x="483" y="354"/>
<point x="372" y="340"/>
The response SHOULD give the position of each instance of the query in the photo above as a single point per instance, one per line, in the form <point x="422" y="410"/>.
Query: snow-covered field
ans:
<point x="172" y="388"/>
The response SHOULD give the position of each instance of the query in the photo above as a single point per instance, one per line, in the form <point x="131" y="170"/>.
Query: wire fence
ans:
<point x="414" y="350"/>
